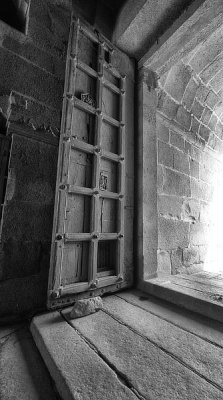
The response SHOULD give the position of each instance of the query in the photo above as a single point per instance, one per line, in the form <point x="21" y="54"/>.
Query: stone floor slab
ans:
<point x="23" y="374"/>
<point x="152" y="372"/>
<point x="78" y="371"/>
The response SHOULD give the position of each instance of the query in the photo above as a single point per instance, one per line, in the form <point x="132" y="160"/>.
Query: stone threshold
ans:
<point x="135" y="348"/>
<point x="201" y="293"/>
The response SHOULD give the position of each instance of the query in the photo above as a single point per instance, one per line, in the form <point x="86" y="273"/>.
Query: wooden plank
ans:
<point x="154" y="374"/>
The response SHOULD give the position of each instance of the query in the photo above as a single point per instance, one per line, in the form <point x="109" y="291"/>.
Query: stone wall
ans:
<point x="31" y="89"/>
<point x="190" y="146"/>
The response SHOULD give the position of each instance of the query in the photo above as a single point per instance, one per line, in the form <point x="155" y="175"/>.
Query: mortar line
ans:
<point x="121" y="377"/>
<point x="165" y="351"/>
<point x="172" y="323"/>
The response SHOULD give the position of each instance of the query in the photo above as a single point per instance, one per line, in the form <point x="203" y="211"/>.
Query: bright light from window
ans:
<point x="214" y="256"/>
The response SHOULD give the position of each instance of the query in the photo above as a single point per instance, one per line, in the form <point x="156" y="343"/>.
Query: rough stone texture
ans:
<point x="78" y="371"/>
<point x="23" y="375"/>
<point x="32" y="81"/>
<point x="85" y="307"/>
<point x="190" y="156"/>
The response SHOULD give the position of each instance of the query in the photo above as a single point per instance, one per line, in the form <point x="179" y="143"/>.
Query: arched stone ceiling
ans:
<point x="191" y="92"/>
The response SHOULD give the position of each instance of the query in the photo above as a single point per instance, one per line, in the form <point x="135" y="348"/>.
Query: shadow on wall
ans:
<point x="190" y="163"/>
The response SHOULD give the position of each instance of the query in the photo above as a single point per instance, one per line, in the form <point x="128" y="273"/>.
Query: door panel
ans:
<point x="88" y="236"/>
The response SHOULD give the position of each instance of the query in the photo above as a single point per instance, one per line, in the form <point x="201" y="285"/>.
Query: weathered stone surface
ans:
<point x="190" y="256"/>
<point x="197" y="109"/>
<point x="185" y="319"/>
<point x="173" y="234"/>
<point x="189" y="94"/>
<point x="194" y="168"/>
<point x="198" y="234"/>
<point x="78" y="371"/>
<point x="38" y="84"/>
<point x="170" y="205"/>
<point x="175" y="183"/>
<point x="177" y="140"/>
<point x="177" y="80"/>
<point x="180" y="161"/>
<point x="168" y="106"/>
<point x="85" y="307"/>
<point x="191" y="210"/>
<point x="177" y="261"/>
<point x="162" y="377"/>
<point x="206" y="115"/>
<point x="23" y="375"/>
<point x="163" y="262"/>
<point x="162" y="131"/>
<point x="183" y="117"/>
<point x="165" y="154"/>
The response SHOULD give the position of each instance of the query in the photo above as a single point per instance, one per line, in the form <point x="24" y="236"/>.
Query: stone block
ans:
<point x="201" y="190"/>
<point x="204" y="132"/>
<point x="177" y="140"/>
<point x="27" y="221"/>
<point x="189" y="94"/>
<point x="19" y="258"/>
<point x="206" y="115"/>
<point x="183" y="117"/>
<point x="194" y="168"/>
<point x="191" y="210"/>
<point x="180" y="161"/>
<point x="170" y="206"/>
<point x="212" y="69"/>
<point x="195" y="153"/>
<point x="159" y="179"/>
<point x="177" y="80"/>
<point x="38" y="84"/>
<point x="49" y="24"/>
<point x="34" y="114"/>
<point x="202" y="93"/>
<point x="205" y="216"/>
<point x="163" y="262"/>
<point x="165" y="154"/>
<point x="203" y="253"/>
<point x="212" y="99"/>
<point x="219" y="129"/>
<point x="167" y="105"/>
<point x="195" y="125"/>
<point x="218" y="146"/>
<point x="219" y="108"/>
<point x="205" y="174"/>
<point x="39" y="57"/>
<point x="198" y="234"/>
<point x="213" y="122"/>
<point x="190" y="256"/>
<point x="197" y="109"/>
<point x="176" y="260"/>
<point x="162" y="131"/>
<point x="85" y="307"/>
<point x="175" y="183"/>
<point x="187" y="147"/>
<point x="172" y="234"/>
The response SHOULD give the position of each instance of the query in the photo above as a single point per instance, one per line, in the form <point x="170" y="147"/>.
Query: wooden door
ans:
<point x="88" y="236"/>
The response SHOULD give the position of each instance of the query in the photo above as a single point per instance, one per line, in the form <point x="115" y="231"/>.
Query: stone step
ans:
<point x="77" y="370"/>
<point x="187" y="296"/>
<point x="127" y="352"/>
